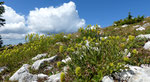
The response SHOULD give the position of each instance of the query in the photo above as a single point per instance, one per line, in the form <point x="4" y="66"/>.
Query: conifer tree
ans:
<point x="2" y="21"/>
<point x="129" y="16"/>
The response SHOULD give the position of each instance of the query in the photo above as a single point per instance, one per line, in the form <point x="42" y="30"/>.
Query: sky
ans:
<point x="42" y="16"/>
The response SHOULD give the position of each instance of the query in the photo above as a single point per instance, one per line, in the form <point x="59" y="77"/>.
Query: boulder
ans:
<point x="36" y="65"/>
<point x="136" y="26"/>
<point x="140" y="29"/>
<point x="134" y="74"/>
<point x="144" y="36"/>
<point x="124" y="25"/>
<point x="39" y="56"/>
<point x="54" y="78"/>
<point x="146" y="25"/>
<point x="22" y="72"/>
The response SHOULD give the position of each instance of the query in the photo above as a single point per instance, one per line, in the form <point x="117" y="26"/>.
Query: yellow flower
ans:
<point x="134" y="51"/>
<point x="131" y="37"/>
<point x="122" y="45"/>
<point x="98" y="32"/>
<point x="69" y="36"/>
<point x="102" y="39"/>
<point x="123" y="39"/>
<point x="62" y="77"/>
<point x="125" y="58"/>
<point x="78" y="71"/>
<point x="58" y="64"/>
<point x="111" y="64"/>
<point x="117" y="37"/>
<point x="61" y="49"/>
<point x="84" y="38"/>
<point x="89" y="38"/>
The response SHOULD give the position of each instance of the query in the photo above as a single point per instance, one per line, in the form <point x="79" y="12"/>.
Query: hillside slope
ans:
<point x="87" y="55"/>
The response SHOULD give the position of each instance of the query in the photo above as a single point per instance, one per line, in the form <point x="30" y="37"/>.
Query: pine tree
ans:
<point x="129" y="16"/>
<point x="2" y="21"/>
<point x="1" y="42"/>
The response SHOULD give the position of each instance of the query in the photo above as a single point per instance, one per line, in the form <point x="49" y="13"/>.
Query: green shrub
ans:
<point x="129" y="20"/>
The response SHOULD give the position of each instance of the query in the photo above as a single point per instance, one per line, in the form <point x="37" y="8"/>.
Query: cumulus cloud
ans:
<point x="15" y="29"/>
<point x="51" y="19"/>
<point x="15" y="25"/>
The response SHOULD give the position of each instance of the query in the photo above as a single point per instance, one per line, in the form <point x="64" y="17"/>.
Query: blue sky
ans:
<point x="102" y="12"/>
<point x="42" y="16"/>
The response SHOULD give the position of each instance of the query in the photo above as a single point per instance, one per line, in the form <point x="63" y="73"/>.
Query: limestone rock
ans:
<point x="54" y="78"/>
<point x="107" y="79"/>
<point x="36" y="64"/>
<point x="147" y="45"/>
<point x="144" y="36"/>
<point x="124" y="25"/>
<point x="39" y="56"/>
<point x="140" y="29"/>
<point x="20" y="73"/>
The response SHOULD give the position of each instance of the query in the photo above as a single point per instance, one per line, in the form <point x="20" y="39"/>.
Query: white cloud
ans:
<point x="51" y="19"/>
<point x="60" y="19"/>
<point x="15" y="28"/>
<point x="15" y="24"/>
<point x="13" y="36"/>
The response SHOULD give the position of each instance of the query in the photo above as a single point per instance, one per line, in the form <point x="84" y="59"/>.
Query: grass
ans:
<point x="89" y="63"/>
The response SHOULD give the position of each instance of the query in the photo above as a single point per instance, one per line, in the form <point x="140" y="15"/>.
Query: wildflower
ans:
<point x="85" y="42"/>
<point x="125" y="58"/>
<point x="98" y="32"/>
<point x="61" y="49"/>
<point x="84" y="38"/>
<point x="89" y="38"/>
<point x="58" y="64"/>
<point x="102" y="39"/>
<point x="78" y="71"/>
<point x="82" y="42"/>
<point x="111" y="64"/>
<point x="100" y="43"/>
<point x="62" y="77"/>
<point x="122" y="45"/>
<point x="70" y="49"/>
<point x="117" y="37"/>
<point x="69" y="36"/>
<point x="113" y="37"/>
<point x="123" y="39"/>
<point x="131" y="37"/>
<point x="80" y="29"/>
<point x="134" y="51"/>
<point x="110" y="37"/>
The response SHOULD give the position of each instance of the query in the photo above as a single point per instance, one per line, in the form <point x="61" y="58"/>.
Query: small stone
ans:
<point x="124" y="25"/>
<point x="54" y="78"/>
<point x="107" y="79"/>
<point x="2" y="69"/>
<point x="66" y="60"/>
<point x="147" y="45"/>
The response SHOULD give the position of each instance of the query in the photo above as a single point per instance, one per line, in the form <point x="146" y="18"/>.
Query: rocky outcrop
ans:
<point x="144" y="36"/>
<point x="134" y="74"/>
<point x="36" y="65"/>
<point x="39" y="56"/>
